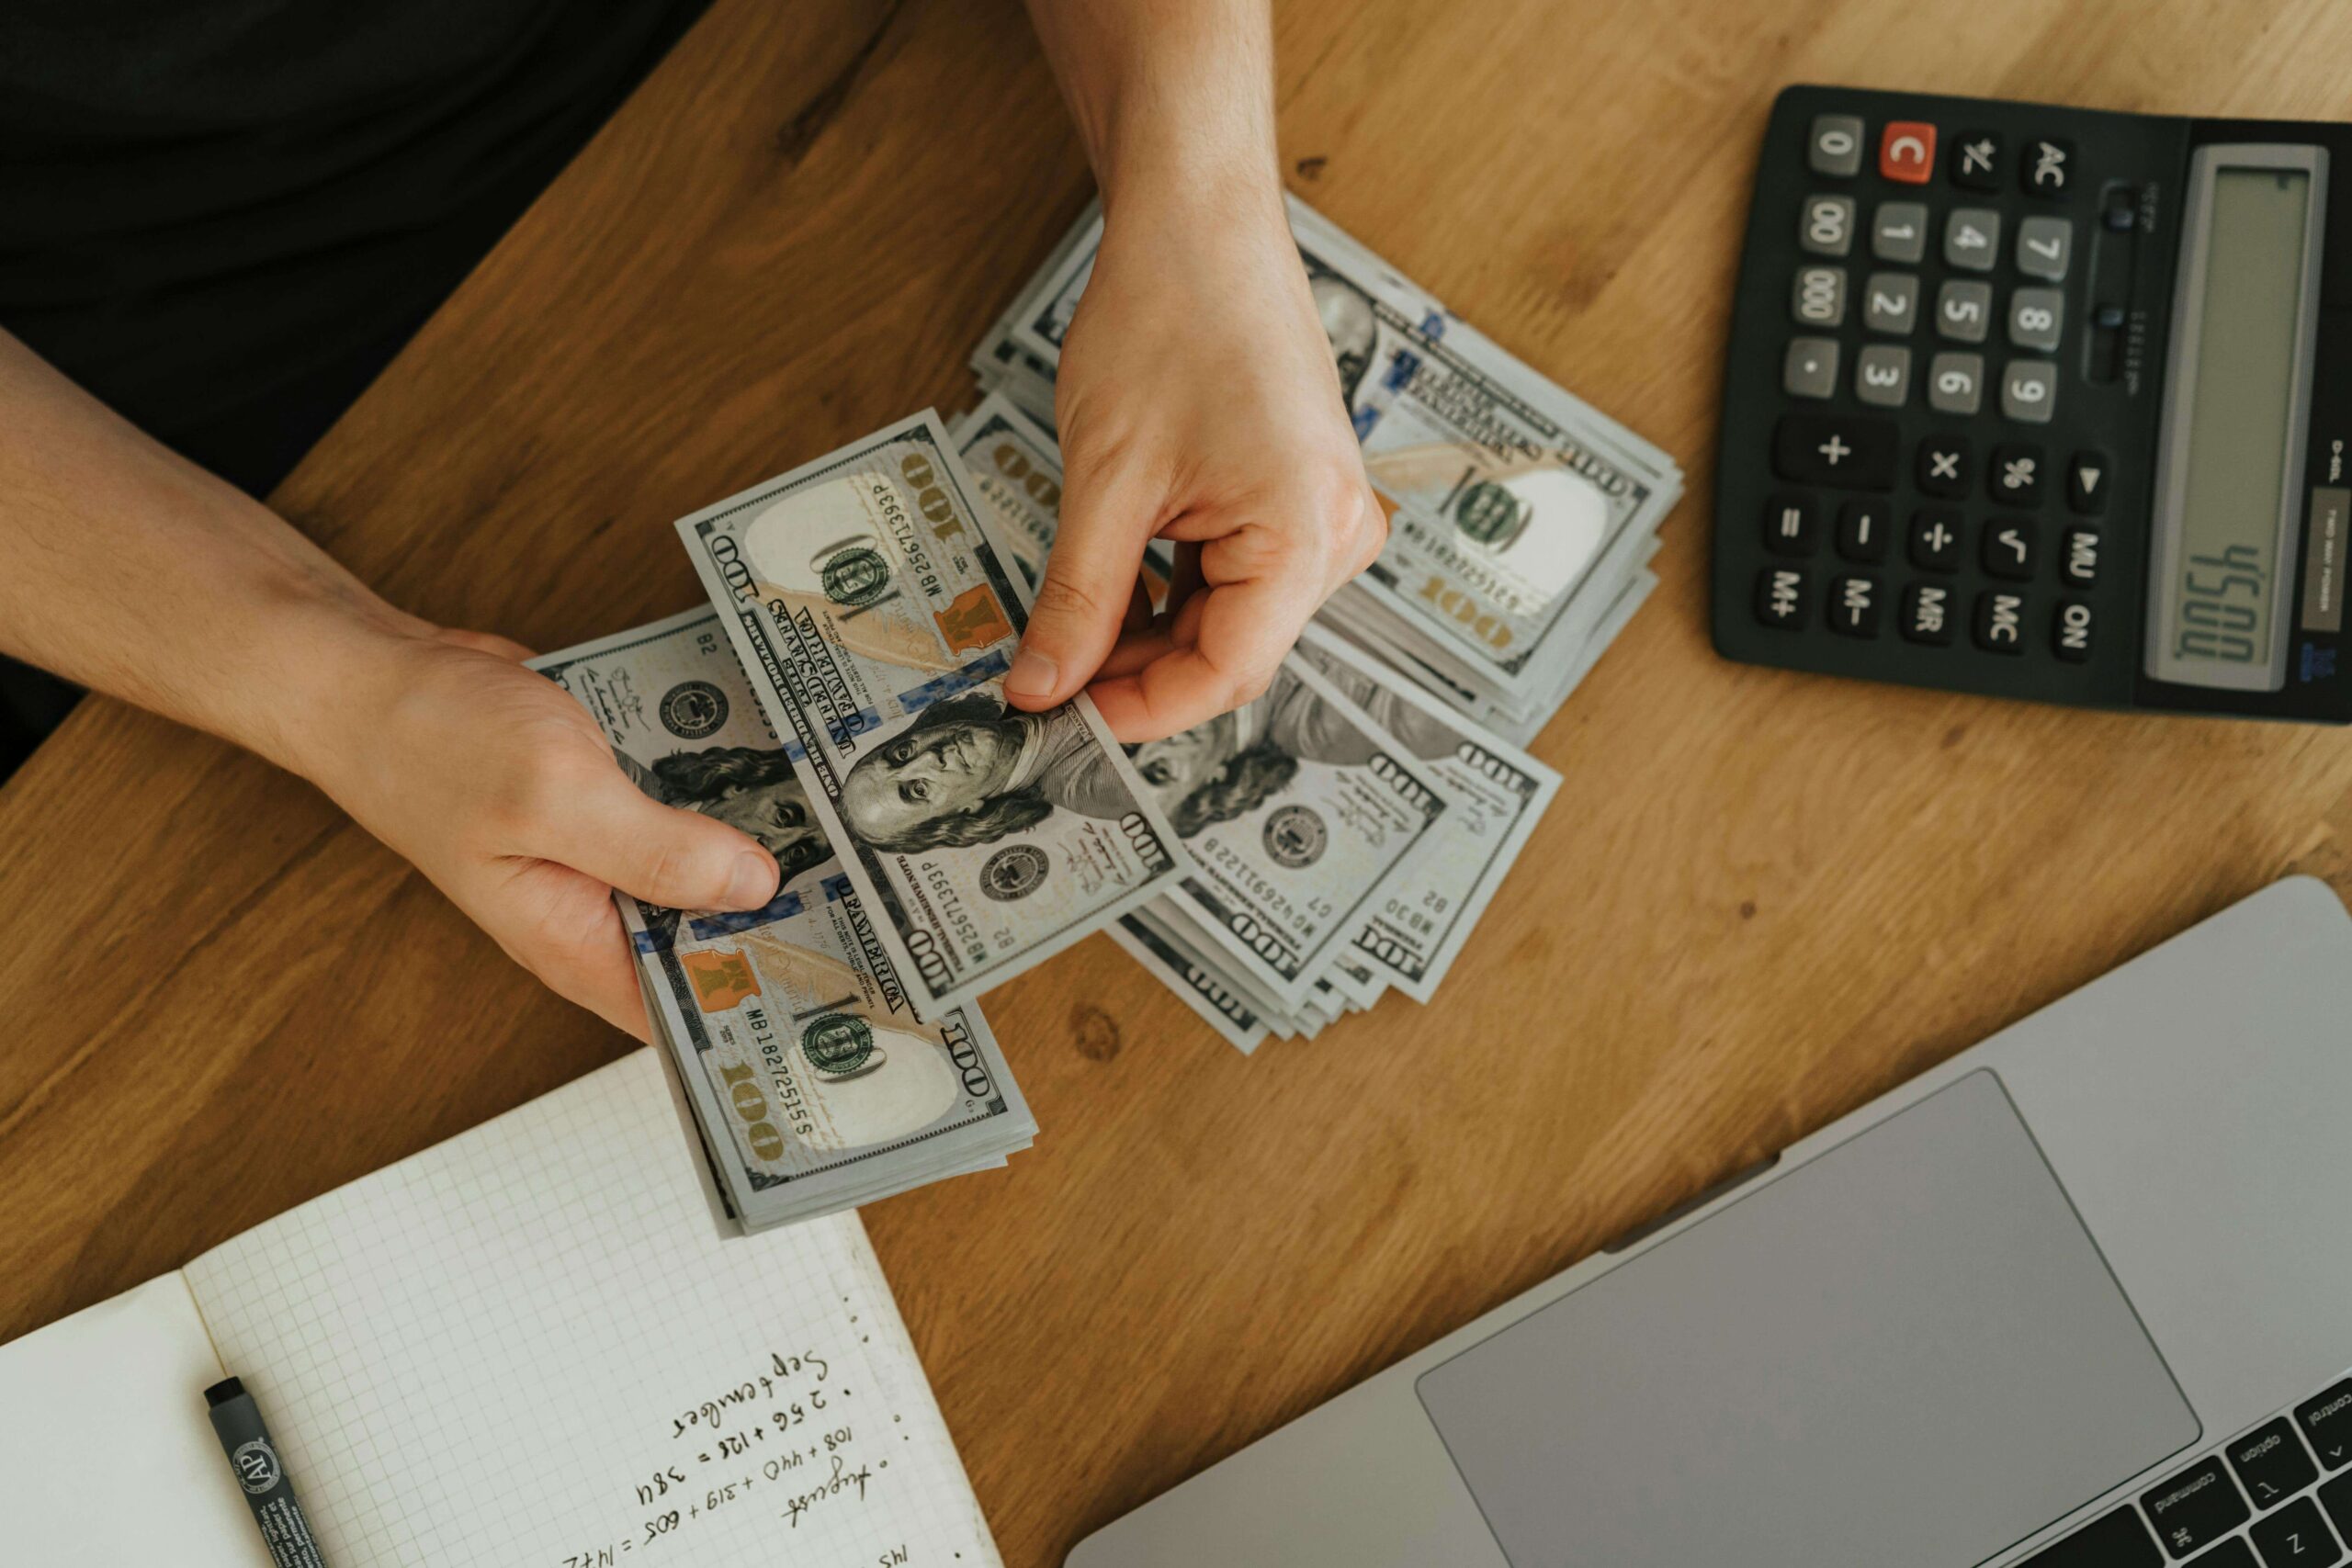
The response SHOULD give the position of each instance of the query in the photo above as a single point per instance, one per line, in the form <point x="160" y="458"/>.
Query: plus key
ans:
<point x="1843" y="453"/>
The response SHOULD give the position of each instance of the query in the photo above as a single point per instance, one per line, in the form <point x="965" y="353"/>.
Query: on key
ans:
<point x="1845" y="451"/>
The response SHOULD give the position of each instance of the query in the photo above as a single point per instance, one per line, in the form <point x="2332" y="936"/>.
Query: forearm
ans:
<point x="1174" y="98"/>
<point x="128" y="569"/>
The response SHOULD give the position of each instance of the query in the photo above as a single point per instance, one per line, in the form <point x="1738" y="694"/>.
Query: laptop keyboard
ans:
<point x="2276" y="1496"/>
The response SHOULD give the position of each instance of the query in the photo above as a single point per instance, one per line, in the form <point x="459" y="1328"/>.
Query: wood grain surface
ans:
<point x="1759" y="900"/>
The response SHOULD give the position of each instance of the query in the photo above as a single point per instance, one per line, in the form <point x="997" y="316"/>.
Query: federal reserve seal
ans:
<point x="838" y="1045"/>
<point x="1014" y="872"/>
<point x="1296" y="836"/>
<point x="856" y="577"/>
<point x="256" y="1465"/>
<point x="692" y="710"/>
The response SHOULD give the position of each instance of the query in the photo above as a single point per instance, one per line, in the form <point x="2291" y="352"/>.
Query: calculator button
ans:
<point x="2036" y="319"/>
<point x="1822" y="449"/>
<point x="1791" y="525"/>
<point x="2070" y="633"/>
<point x="2087" y="484"/>
<point x="2047" y="167"/>
<point x="2000" y="621"/>
<point x="2045" y="246"/>
<point x="2271" y="1463"/>
<point x="1891" y="302"/>
<point x="1963" y="310"/>
<point x="1883" y="375"/>
<point x="1899" y="232"/>
<point x="1835" y="146"/>
<point x="1810" y="367"/>
<point x="1944" y="466"/>
<point x="2030" y="390"/>
<point x="1819" y="296"/>
<point x="1907" y="151"/>
<point x="1780" y="597"/>
<point x="1862" y="527"/>
<point x="2016" y="474"/>
<point x="2196" y="1508"/>
<point x="2078" y="564"/>
<point x="2008" y="549"/>
<point x="1826" y="228"/>
<point x="1972" y="239"/>
<point x="1976" y="160"/>
<point x="2296" y="1537"/>
<point x="1935" y="539"/>
<point x="1955" y="383"/>
<point x="1927" y="614"/>
<point x="1852" y="610"/>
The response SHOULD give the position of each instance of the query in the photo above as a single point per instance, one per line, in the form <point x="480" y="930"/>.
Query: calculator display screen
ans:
<point x="2235" y="424"/>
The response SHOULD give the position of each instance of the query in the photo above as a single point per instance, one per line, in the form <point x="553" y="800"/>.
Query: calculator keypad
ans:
<point x="1891" y="302"/>
<point x="1963" y="310"/>
<point x="1928" y="496"/>
<point x="1972" y="239"/>
<point x="1899" y="232"/>
<point x="1826" y="228"/>
<point x="1811" y="367"/>
<point x="1883" y="375"/>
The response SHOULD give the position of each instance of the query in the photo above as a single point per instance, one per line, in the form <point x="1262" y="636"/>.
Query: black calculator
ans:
<point x="2042" y="402"/>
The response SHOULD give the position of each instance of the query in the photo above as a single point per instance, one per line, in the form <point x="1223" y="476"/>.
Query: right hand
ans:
<point x="499" y="787"/>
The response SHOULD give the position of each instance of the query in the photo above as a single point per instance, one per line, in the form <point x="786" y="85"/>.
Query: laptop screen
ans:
<point x="1908" y="1349"/>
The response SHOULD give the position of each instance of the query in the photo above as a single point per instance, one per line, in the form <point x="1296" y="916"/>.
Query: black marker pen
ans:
<point x="267" y="1492"/>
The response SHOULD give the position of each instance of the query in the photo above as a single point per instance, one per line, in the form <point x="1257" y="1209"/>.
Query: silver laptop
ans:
<point x="2082" y="1297"/>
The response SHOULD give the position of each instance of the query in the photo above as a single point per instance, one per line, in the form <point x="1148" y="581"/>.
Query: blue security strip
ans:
<point x="981" y="671"/>
<point x="783" y="907"/>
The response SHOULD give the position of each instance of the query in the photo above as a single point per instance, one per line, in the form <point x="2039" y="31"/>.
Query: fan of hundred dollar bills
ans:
<point x="841" y="700"/>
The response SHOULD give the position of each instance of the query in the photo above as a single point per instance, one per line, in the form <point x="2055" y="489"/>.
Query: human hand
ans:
<point x="1198" y="402"/>
<point x="498" y="786"/>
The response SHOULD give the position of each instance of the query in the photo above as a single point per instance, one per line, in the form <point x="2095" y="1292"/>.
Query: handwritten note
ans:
<point x="529" y="1346"/>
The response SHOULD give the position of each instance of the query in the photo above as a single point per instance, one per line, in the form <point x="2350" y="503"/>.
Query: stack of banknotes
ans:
<point x="812" y="1079"/>
<point x="1521" y="519"/>
<point x="841" y="699"/>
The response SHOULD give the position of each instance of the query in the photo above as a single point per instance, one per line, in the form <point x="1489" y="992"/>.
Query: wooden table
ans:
<point x="1759" y="900"/>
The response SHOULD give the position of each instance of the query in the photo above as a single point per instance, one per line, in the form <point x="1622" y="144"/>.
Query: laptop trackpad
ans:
<point x="1907" y="1350"/>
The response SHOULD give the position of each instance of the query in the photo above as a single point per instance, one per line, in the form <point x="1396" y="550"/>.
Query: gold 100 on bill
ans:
<point x="872" y="609"/>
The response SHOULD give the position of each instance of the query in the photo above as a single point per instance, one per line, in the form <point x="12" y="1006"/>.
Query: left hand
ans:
<point x="1198" y="402"/>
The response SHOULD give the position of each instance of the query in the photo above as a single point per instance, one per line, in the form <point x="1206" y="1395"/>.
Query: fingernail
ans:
<point x="753" y="883"/>
<point x="1032" y="675"/>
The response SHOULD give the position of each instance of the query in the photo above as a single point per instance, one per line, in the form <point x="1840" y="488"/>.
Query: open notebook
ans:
<point x="526" y="1347"/>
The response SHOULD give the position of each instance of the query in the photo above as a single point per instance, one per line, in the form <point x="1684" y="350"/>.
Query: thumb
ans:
<point x="614" y="833"/>
<point x="1089" y="580"/>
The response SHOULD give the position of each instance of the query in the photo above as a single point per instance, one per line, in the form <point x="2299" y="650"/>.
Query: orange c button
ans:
<point x="1907" y="151"/>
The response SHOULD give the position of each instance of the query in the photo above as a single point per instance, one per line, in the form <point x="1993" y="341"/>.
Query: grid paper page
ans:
<point x="527" y="1347"/>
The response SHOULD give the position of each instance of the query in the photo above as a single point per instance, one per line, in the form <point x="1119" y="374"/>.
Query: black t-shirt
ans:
<point x="223" y="215"/>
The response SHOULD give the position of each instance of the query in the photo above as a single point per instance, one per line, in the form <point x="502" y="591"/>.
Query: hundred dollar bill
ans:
<point x="1016" y="465"/>
<point x="1505" y="488"/>
<point x="867" y="599"/>
<point x="815" y="1080"/>
<point x="1297" y="809"/>
<point x="1496" y="792"/>
<point x="1196" y="982"/>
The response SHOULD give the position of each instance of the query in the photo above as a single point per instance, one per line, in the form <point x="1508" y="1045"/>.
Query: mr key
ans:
<point x="2037" y="401"/>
